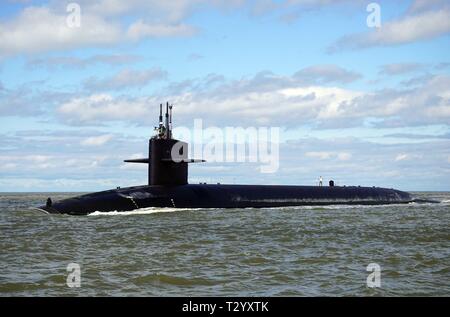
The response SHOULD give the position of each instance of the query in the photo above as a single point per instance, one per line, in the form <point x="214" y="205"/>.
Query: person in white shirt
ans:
<point x="320" y="181"/>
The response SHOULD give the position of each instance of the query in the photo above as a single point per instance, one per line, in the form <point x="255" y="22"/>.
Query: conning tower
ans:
<point x="167" y="157"/>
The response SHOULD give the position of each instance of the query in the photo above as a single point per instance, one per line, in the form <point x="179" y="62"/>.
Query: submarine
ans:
<point x="168" y="187"/>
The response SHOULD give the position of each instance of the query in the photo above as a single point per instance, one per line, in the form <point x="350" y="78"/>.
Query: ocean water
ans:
<point x="301" y="251"/>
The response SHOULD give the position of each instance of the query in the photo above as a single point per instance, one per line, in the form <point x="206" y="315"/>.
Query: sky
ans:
<point x="355" y="101"/>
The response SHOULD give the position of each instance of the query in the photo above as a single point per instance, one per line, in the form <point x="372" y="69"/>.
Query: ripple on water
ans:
<point x="238" y="252"/>
<point x="161" y="279"/>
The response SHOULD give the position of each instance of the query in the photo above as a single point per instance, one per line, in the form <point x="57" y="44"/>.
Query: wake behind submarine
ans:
<point x="168" y="187"/>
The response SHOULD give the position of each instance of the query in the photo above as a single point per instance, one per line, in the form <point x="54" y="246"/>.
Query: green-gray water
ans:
<point x="303" y="251"/>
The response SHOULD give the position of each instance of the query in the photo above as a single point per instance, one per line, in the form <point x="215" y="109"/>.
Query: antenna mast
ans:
<point x="160" y="129"/>
<point x="167" y="121"/>
<point x="170" y="121"/>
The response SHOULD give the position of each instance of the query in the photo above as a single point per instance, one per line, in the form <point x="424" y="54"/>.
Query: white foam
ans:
<point x="152" y="210"/>
<point x="140" y="211"/>
<point x="39" y="210"/>
<point x="337" y="206"/>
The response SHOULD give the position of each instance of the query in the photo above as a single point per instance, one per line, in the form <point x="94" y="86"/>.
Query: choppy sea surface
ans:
<point x="300" y="251"/>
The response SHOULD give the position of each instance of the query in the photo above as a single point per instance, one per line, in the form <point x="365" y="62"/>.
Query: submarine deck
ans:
<point x="224" y="196"/>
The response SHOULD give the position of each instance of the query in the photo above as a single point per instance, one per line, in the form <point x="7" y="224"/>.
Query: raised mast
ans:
<point x="170" y="121"/>
<point x="167" y="134"/>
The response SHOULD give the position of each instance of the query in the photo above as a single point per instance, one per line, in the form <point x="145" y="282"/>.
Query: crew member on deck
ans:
<point x="320" y="181"/>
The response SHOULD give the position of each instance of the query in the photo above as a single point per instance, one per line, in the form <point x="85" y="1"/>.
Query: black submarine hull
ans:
<point x="224" y="196"/>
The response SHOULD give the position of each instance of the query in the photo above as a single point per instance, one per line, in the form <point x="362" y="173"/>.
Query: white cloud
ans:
<point x="321" y="155"/>
<point x="33" y="160"/>
<point x="140" y="29"/>
<point x="422" y="26"/>
<point x="72" y="61"/>
<point x="170" y="11"/>
<point x="8" y="166"/>
<point x="328" y="101"/>
<point x="425" y="5"/>
<point x="428" y="103"/>
<point x="44" y="28"/>
<point x="326" y="74"/>
<point x="399" y="68"/>
<point x="37" y="158"/>
<point x="254" y="99"/>
<point x="274" y="100"/>
<point x="124" y="79"/>
<point x="103" y="107"/>
<point x="407" y="157"/>
<point x="401" y="157"/>
<point x="38" y="29"/>
<point x="96" y="140"/>
<point x="344" y="156"/>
